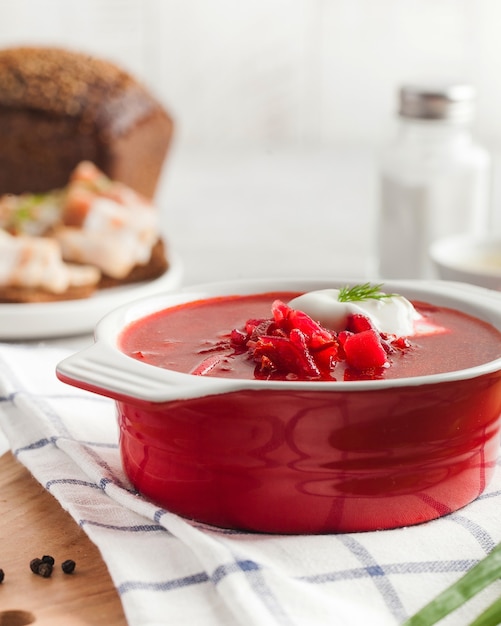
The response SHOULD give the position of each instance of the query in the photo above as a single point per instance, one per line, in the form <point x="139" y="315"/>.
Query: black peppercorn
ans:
<point x="45" y="569"/>
<point x="2" y="575"/>
<point x="48" y="559"/>
<point x="68" y="566"/>
<point x="42" y="567"/>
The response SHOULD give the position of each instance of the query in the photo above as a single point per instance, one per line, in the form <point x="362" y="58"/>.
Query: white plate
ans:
<point x="43" y="320"/>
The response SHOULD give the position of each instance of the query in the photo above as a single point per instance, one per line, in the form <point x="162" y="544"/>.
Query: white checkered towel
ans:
<point x="172" y="571"/>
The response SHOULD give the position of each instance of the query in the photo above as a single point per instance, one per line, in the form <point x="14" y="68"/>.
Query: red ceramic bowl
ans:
<point x="300" y="457"/>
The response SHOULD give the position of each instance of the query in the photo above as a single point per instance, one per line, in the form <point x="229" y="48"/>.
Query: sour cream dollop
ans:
<point x="393" y="314"/>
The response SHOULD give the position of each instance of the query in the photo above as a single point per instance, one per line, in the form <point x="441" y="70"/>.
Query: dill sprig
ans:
<point x="362" y="292"/>
<point x="27" y="205"/>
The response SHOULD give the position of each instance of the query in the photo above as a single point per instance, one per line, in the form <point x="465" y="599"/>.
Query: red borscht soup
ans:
<point x="211" y="338"/>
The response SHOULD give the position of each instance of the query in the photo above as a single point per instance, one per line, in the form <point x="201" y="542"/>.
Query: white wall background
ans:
<point x="261" y="73"/>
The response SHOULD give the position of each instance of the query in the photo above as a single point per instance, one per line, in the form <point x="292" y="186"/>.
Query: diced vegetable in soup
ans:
<point x="326" y="335"/>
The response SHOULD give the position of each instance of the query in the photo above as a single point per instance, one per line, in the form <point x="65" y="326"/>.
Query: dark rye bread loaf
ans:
<point x="58" y="108"/>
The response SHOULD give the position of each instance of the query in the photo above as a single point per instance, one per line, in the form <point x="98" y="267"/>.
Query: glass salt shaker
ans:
<point x="434" y="179"/>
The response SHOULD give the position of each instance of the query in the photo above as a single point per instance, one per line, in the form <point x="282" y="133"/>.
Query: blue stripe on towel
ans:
<point x="383" y="584"/>
<point x="35" y="445"/>
<point x="484" y="539"/>
<point x="70" y="481"/>
<point x="136" y="528"/>
<point x="165" y="585"/>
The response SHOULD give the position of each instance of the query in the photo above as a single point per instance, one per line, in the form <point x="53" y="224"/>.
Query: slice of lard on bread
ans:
<point x="65" y="244"/>
<point x="32" y="270"/>
<point x="106" y="223"/>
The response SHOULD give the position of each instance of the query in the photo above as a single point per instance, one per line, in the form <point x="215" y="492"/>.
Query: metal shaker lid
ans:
<point x="453" y="103"/>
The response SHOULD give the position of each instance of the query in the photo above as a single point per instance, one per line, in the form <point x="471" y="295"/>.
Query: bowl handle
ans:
<point x="104" y="370"/>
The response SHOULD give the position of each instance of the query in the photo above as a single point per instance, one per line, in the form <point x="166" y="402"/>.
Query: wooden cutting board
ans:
<point x="33" y="524"/>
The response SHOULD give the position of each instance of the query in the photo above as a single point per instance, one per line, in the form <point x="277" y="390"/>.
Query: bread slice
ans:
<point x="18" y="295"/>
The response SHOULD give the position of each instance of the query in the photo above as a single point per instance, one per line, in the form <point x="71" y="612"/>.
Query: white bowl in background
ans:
<point x="468" y="258"/>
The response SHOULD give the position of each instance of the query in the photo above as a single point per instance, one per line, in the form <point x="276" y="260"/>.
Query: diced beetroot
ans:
<point x="327" y="357"/>
<point x="401" y="343"/>
<point x="287" y="318"/>
<point x="299" y="339"/>
<point x="343" y="336"/>
<point x="391" y="343"/>
<point x="259" y="327"/>
<point x="364" y="350"/>
<point x="251" y="324"/>
<point x="280" y="311"/>
<point x="387" y="345"/>
<point x="238" y="338"/>
<point x="286" y="356"/>
<point x="317" y="335"/>
<point x="357" y="323"/>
